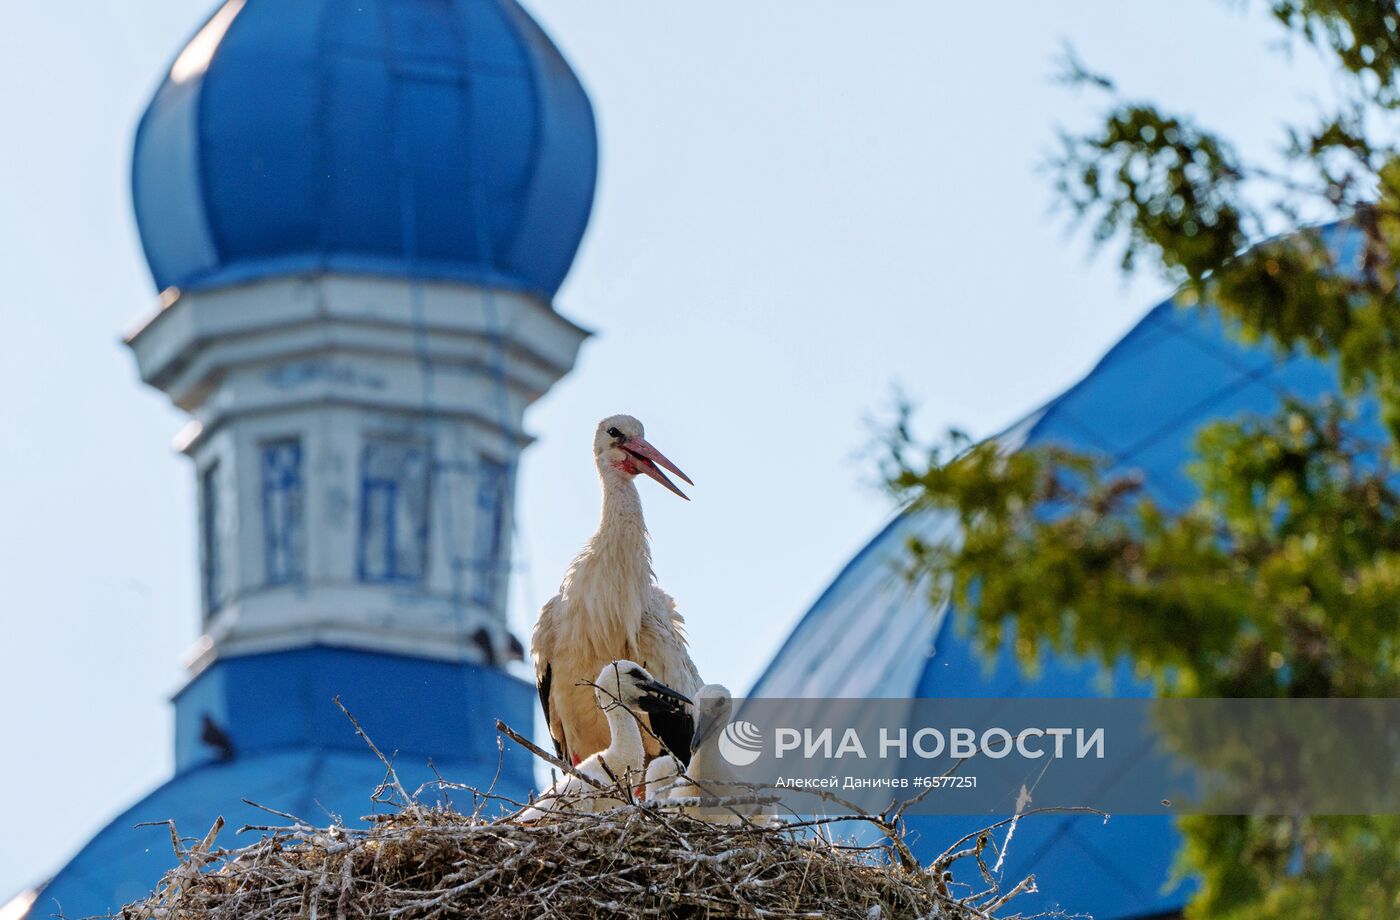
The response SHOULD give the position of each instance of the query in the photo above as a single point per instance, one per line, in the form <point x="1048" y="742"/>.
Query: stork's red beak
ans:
<point x="648" y="460"/>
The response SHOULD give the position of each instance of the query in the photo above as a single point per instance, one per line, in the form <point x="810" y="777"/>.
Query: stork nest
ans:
<point x="640" y="859"/>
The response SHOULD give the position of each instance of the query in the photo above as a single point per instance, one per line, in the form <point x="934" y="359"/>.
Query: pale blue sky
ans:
<point x="801" y="202"/>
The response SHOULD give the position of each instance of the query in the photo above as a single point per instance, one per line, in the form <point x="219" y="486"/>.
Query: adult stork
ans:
<point x="609" y="607"/>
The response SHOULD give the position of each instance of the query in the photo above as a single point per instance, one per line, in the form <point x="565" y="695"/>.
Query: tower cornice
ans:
<point x="190" y="336"/>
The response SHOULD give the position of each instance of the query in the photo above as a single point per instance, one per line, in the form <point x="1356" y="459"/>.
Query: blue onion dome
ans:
<point x="435" y="139"/>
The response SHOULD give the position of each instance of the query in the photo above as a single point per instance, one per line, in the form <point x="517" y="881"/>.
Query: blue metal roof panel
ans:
<point x="1108" y="870"/>
<point x="166" y="182"/>
<point x="279" y="700"/>
<point x="870" y="585"/>
<point x="123" y="862"/>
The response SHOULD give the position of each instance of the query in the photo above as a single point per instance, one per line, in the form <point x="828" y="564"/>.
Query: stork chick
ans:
<point x="663" y="773"/>
<point x="709" y="774"/>
<point x="609" y="607"/>
<point x="623" y="689"/>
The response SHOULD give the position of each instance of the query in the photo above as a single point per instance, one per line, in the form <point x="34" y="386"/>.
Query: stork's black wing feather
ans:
<point x="546" y="680"/>
<point x="675" y="728"/>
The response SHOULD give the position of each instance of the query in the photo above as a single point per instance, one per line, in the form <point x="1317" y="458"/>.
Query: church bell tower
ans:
<point x="357" y="214"/>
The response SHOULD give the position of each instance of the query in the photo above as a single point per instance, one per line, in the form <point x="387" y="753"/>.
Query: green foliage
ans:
<point x="1283" y="579"/>
<point x="1164" y="183"/>
<point x="1346" y="867"/>
<point x="1363" y="34"/>
<point x="1169" y="190"/>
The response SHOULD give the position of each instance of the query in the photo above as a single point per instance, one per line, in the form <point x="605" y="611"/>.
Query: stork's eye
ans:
<point x="636" y="672"/>
<point x="614" y="433"/>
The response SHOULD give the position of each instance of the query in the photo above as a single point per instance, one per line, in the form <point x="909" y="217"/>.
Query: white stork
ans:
<point x="622" y="691"/>
<point x="610" y="607"/>
<point x="709" y="774"/>
<point x="661" y="777"/>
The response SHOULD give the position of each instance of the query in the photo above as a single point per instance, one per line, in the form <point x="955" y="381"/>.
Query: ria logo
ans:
<point x="741" y="743"/>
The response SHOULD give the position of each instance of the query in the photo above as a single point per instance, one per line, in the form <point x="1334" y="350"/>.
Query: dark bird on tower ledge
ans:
<point x="216" y="738"/>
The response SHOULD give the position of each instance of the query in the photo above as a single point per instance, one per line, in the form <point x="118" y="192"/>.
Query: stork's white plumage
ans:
<point x="624" y="692"/>
<point x="610" y="607"/>
<point x="709" y="774"/>
<point x="662" y="774"/>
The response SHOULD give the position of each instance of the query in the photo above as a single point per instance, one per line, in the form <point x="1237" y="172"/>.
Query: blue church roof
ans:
<point x="291" y="749"/>
<point x="1141" y="407"/>
<point x="123" y="862"/>
<point x="441" y="139"/>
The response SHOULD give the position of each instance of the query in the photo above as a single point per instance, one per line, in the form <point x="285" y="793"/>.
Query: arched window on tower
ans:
<point x="211" y="532"/>
<point x="488" y="537"/>
<point x="284" y="531"/>
<point x="394" y="490"/>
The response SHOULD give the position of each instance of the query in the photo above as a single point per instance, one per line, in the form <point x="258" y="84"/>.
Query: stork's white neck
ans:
<point x="622" y="527"/>
<point x="625" y="752"/>
<point x="608" y="583"/>
<point x="706" y="763"/>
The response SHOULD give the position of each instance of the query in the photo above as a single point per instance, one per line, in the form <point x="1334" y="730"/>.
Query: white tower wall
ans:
<point x="355" y="441"/>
